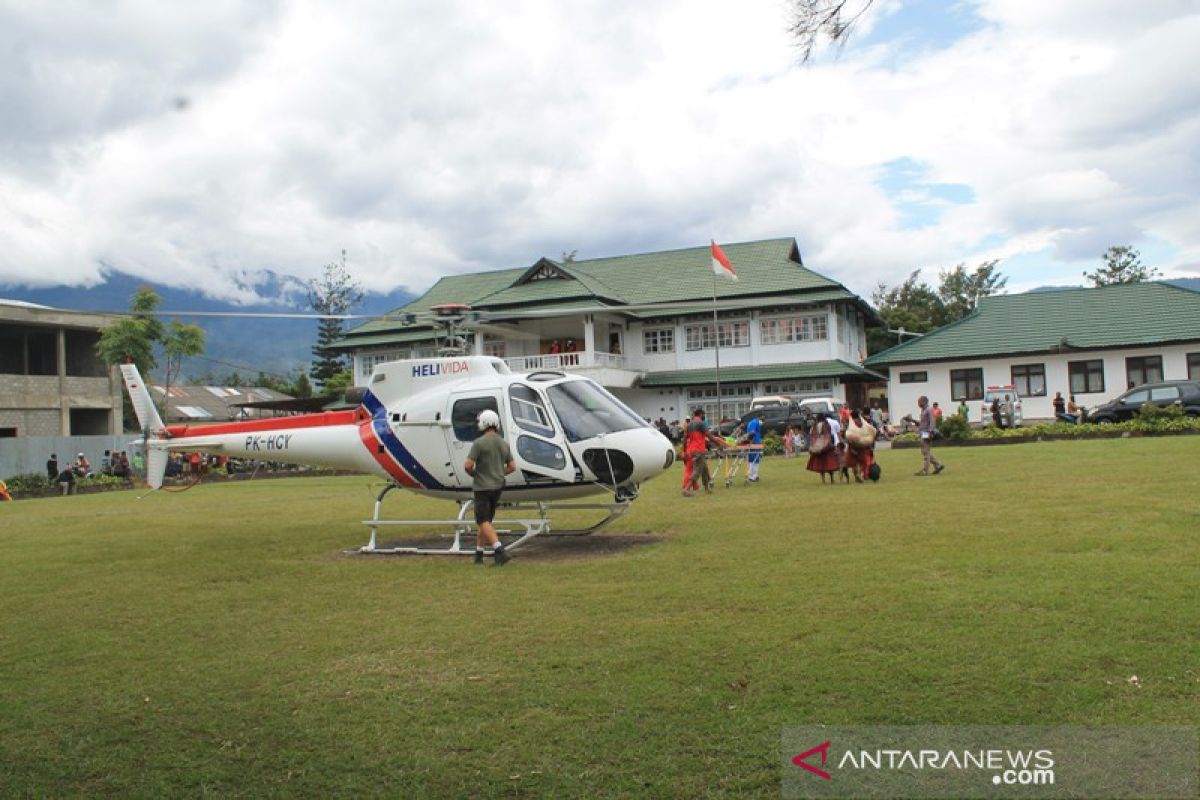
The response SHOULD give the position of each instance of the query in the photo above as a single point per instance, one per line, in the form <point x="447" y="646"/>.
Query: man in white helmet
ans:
<point x="488" y="462"/>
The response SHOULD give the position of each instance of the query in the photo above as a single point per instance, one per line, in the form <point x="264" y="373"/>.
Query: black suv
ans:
<point x="776" y="419"/>
<point x="1181" y="393"/>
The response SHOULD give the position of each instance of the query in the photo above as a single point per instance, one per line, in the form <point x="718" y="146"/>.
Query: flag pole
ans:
<point x="717" y="342"/>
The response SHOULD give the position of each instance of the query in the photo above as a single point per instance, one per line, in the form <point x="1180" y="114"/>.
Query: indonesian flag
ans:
<point x="721" y="265"/>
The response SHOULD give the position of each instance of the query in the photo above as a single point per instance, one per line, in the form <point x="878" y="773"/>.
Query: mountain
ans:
<point x="244" y="345"/>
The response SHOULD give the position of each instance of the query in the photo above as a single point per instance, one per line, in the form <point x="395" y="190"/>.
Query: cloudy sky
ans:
<point x="201" y="143"/>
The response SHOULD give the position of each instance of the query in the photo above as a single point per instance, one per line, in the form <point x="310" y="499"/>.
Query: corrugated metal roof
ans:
<point x="1060" y="320"/>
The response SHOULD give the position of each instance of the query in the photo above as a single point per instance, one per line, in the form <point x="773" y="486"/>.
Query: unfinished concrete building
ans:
<point x="52" y="383"/>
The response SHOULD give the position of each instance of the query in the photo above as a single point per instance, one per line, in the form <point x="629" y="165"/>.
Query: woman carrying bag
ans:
<point x="821" y="455"/>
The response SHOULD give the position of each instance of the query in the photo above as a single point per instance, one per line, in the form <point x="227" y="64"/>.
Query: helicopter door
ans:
<point x="537" y="447"/>
<point x="464" y="428"/>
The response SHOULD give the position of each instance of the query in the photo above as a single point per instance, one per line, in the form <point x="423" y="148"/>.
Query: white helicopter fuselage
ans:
<point x="416" y="422"/>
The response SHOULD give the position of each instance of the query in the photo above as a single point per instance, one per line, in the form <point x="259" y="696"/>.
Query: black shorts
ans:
<point x="485" y="506"/>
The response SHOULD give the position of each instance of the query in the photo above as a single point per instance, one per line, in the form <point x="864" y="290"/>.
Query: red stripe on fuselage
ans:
<point x="370" y="440"/>
<point x="321" y="420"/>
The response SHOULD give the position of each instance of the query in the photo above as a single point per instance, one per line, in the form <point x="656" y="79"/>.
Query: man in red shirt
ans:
<point x="695" y="455"/>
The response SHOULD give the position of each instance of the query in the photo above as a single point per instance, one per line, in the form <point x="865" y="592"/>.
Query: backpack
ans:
<point x="874" y="472"/>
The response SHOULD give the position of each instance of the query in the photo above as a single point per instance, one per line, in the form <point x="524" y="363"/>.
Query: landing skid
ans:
<point x="523" y="528"/>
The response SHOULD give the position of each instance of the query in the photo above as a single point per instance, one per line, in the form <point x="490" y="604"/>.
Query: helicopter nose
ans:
<point x="629" y="456"/>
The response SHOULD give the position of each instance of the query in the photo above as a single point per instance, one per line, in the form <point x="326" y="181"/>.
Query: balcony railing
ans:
<point x="566" y="361"/>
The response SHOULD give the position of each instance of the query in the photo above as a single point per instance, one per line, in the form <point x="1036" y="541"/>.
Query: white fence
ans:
<point x="565" y="361"/>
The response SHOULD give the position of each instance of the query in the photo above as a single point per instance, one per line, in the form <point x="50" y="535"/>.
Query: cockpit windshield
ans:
<point x="585" y="410"/>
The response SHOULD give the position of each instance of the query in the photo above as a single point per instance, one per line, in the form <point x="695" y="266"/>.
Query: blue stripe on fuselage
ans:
<point x="379" y="423"/>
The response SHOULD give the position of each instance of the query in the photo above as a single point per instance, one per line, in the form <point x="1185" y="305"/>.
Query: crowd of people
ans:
<point x="114" y="463"/>
<point x="839" y="445"/>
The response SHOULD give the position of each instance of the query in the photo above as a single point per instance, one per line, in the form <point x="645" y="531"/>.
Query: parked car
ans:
<point x="1005" y="394"/>
<point x="778" y="416"/>
<point x="770" y="400"/>
<point x="821" y="405"/>
<point x="1185" y="394"/>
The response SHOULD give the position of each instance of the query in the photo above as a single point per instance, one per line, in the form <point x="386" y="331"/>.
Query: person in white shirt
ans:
<point x="835" y="425"/>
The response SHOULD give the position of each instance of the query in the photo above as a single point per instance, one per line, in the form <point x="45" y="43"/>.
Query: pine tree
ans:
<point x="1122" y="264"/>
<point x="332" y="294"/>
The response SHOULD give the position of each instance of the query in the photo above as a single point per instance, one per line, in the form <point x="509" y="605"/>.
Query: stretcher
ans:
<point x="733" y="461"/>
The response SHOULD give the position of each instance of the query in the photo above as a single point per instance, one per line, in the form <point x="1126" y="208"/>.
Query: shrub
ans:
<point x="28" y="483"/>
<point x="101" y="480"/>
<point x="1152" y="413"/>
<point x="952" y="426"/>
<point x="1172" y="422"/>
<point x="772" y="444"/>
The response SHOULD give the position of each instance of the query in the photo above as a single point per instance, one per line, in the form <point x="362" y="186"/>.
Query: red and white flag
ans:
<point x="720" y="262"/>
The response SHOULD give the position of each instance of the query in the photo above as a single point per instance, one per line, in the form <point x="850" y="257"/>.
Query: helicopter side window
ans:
<point x="544" y="454"/>
<point x="465" y="415"/>
<point x="528" y="410"/>
<point x="585" y="410"/>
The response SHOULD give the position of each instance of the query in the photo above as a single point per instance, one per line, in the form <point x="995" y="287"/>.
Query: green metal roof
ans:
<point x="767" y="268"/>
<point x="769" y="372"/>
<point x="789" y="300"/>
<point x="401" y="336"/>
<point x="763" y="267"/>
<point x="1059" y="321"/>
<point x="450" y="289"/>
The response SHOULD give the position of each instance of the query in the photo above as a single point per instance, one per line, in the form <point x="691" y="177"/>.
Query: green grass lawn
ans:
<point x="218" y="642"/>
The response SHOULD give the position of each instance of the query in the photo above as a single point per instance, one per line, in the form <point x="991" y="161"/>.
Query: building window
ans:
<point x="1193" y="366"/>
<point x="735" y="400"/>
<point x="966" y="384"/>
<point x="1143" y="369"/>
<point x="658" y="340"/>
<point x="494" y="346"/>
<point x="914" y="377"/>
<point x="1029" y="379"/>
<point x="797" y="387"/>
<point x="793" y="329"/>
<point x="368" y="361"/>
<point x="733" y="334"/>
<point x="1087" y="377"/>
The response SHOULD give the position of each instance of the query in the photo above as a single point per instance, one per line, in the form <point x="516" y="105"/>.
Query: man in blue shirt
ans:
<point x="754" y="429"/>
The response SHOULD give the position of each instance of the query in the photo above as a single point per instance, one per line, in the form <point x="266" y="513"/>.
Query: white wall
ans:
<point x="902" y="397"/>
<point x="654" y="403"/>
<point x="757" y="352"/>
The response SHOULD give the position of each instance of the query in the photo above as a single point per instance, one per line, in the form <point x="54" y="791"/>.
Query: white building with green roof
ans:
<point x="1090" y="343"/>
<point x="642" y="326"/>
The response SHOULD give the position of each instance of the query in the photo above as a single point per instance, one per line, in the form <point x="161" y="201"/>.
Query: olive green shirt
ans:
<point x="491" y="455"/>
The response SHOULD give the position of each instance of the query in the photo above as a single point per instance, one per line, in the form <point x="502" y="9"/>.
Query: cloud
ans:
<point x="429" y="138"/>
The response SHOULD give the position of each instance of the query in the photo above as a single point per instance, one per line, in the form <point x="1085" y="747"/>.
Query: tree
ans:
<point x="917" y="308"/>
<point x="337" y="385"/>
<point x="814" y="20"/>
<point x="295" y="387"/>
<point x="1122" y="264"/>
<point x="301" y="387"/>
<point x="331" y="295"/>
<point x="913" y="306"/>
<point x="179" y="340"/>
<point x="960" y="291"/>
<point x="132" y="339"/>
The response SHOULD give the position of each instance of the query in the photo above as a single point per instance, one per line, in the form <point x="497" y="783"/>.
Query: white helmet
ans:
<point x="488" y="419"/>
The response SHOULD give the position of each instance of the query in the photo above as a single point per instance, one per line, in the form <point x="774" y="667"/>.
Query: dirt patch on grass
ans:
<point x="543" y="548"/>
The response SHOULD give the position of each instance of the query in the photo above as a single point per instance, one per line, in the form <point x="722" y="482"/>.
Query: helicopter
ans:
<point x="413" y="423"/>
